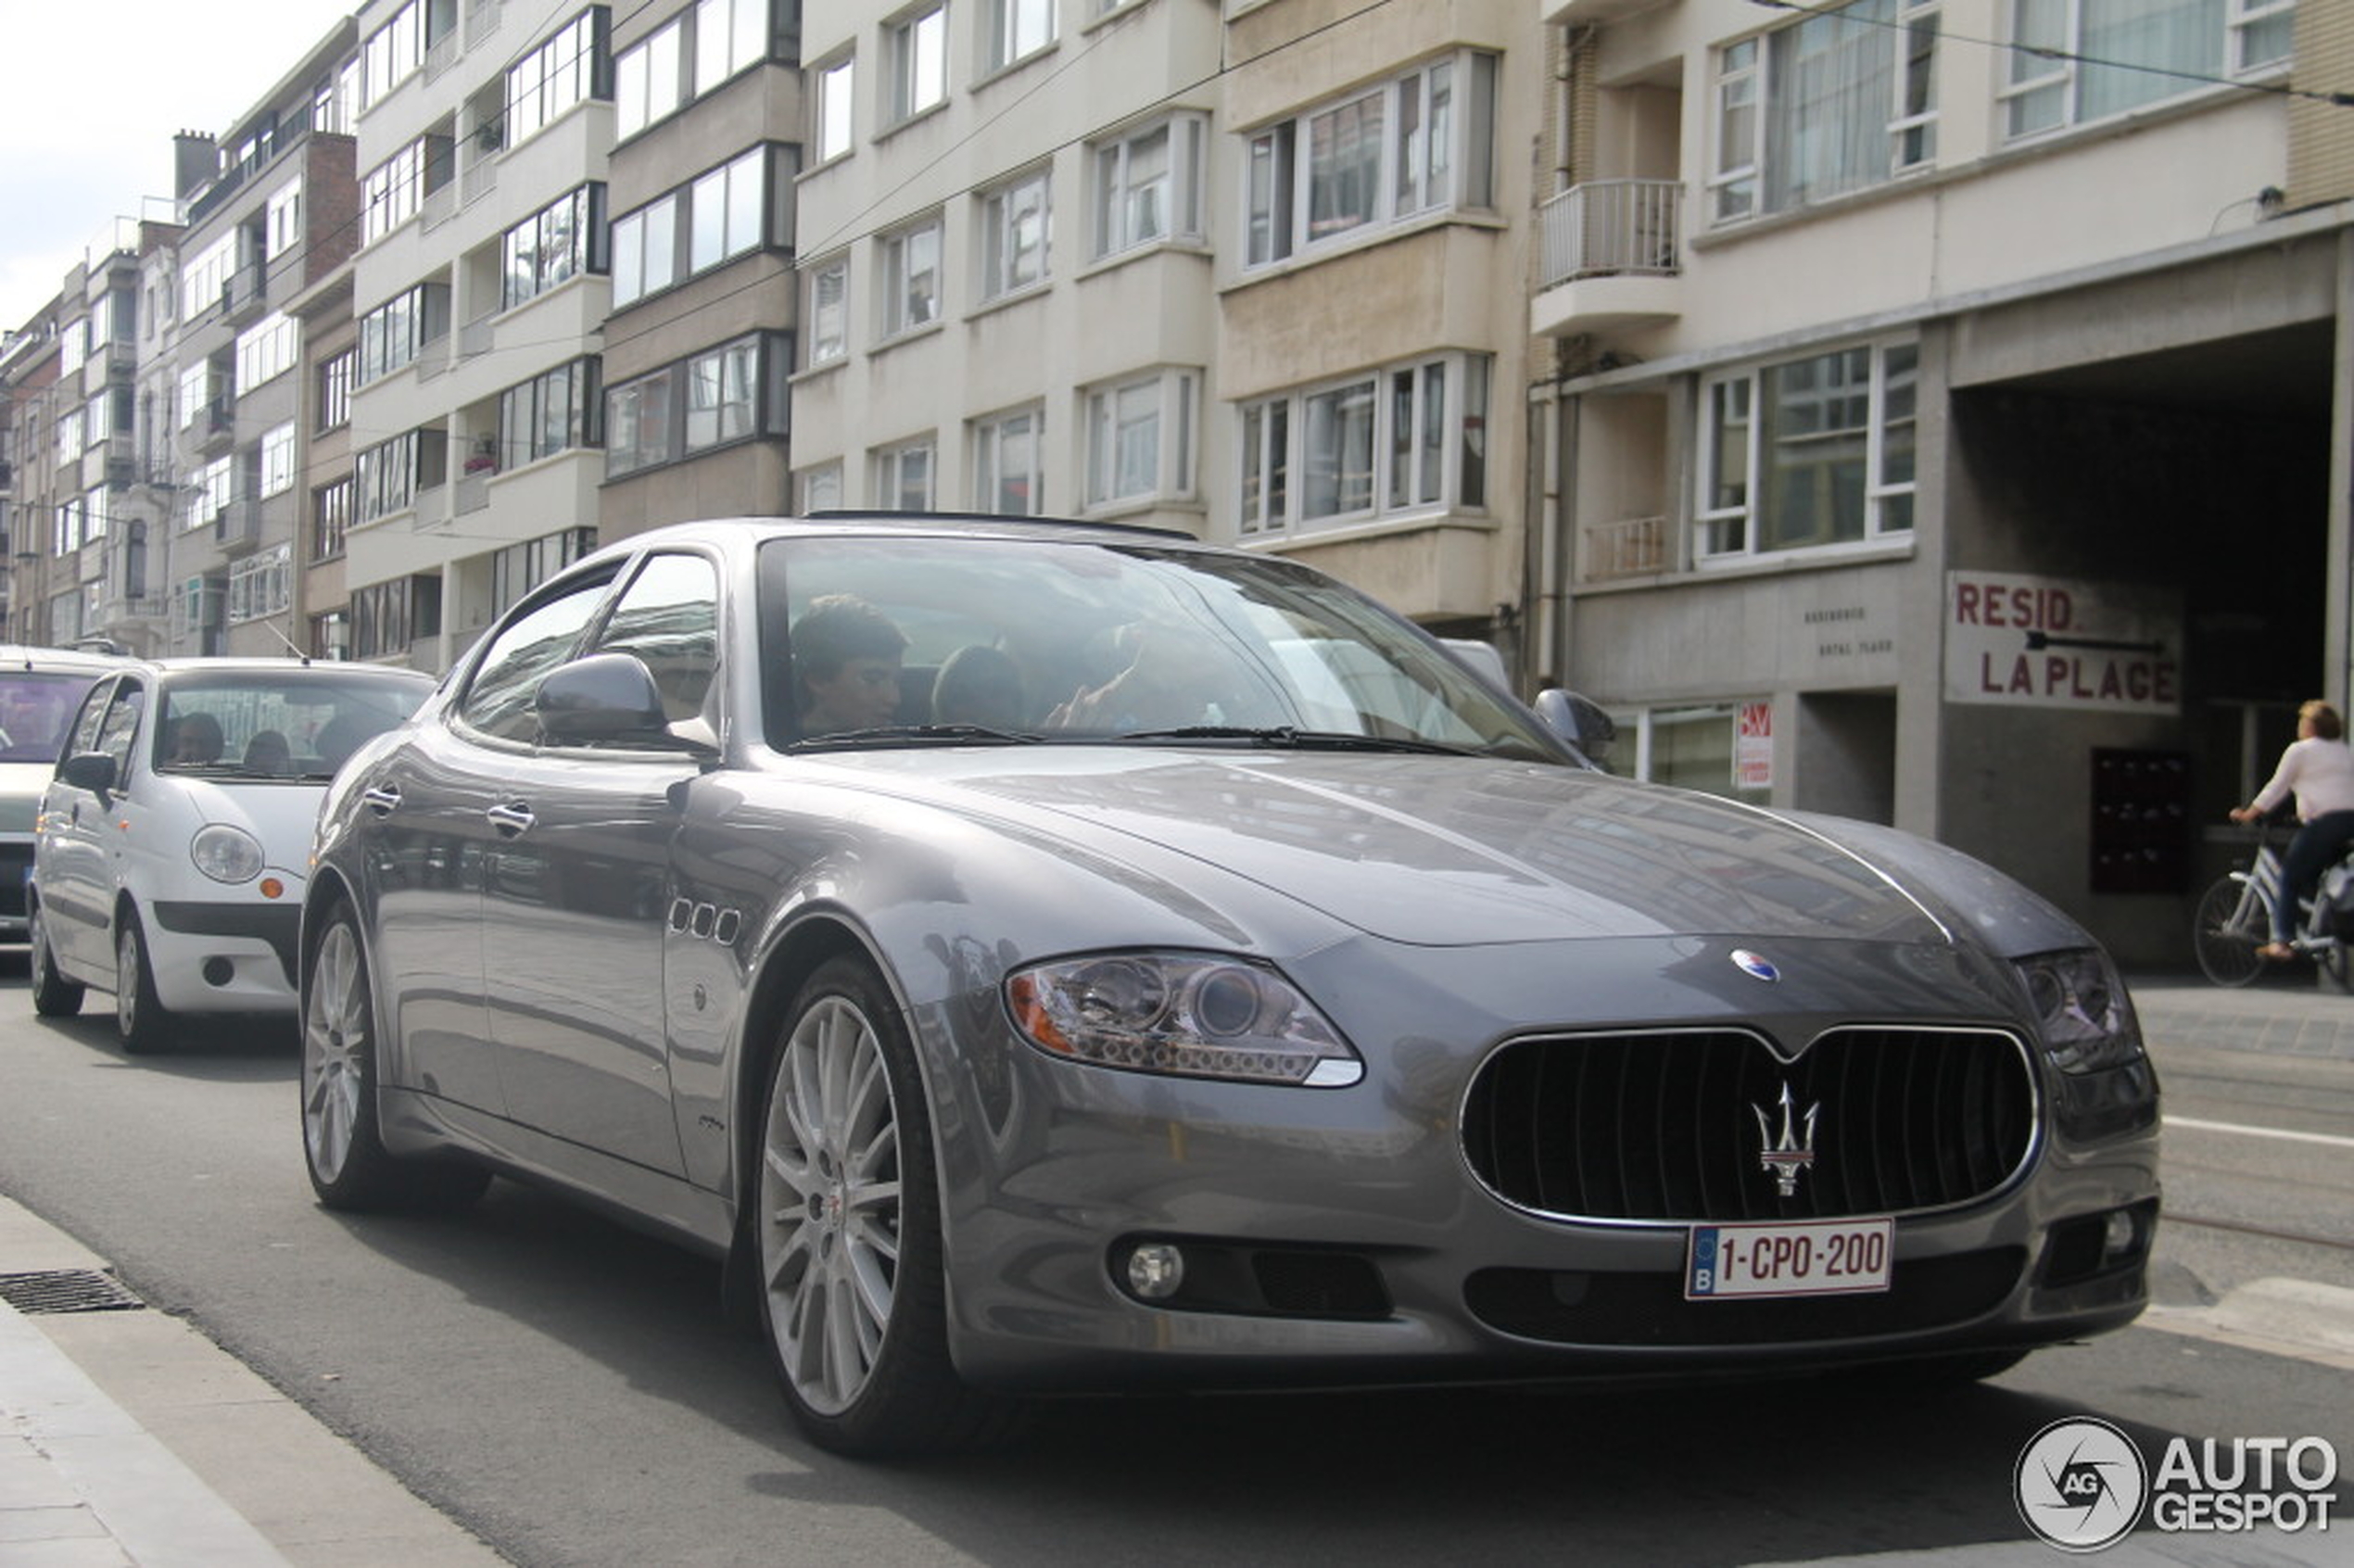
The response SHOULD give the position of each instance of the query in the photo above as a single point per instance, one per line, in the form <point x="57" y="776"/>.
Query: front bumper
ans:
<point x="212" y="955"/>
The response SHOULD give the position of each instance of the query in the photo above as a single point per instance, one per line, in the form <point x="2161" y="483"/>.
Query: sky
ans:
<point x="96" y="89"/>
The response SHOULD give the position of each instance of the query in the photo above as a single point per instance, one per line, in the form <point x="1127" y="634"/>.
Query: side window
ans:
<point x="497" y="699"/>
<point x="669" y="618"/>
<point x="121" y="726"/>
<point x="85" y="723"/>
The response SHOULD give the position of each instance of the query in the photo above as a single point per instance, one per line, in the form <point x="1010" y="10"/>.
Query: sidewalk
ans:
<point x="129" y="1440"/>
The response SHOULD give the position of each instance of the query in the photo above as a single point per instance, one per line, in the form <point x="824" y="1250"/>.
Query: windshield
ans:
<point x="259" y="725"/>
<point x="942" y="640"/>
<point x="36" y="710"/>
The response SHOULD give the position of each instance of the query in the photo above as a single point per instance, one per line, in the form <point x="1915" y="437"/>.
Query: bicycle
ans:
<point x="2236" y="918"/>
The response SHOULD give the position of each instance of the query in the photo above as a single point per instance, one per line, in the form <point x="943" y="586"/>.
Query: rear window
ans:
<point x="36" y="711"/>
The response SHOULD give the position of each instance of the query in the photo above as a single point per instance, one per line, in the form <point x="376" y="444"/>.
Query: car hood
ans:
<point x="1439" y="851"/>
<point x="280" y="813"/>
<point x="20" y="787"/>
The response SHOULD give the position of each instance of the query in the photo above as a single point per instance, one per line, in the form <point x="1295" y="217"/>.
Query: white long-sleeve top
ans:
<point x="2320" y="772"/>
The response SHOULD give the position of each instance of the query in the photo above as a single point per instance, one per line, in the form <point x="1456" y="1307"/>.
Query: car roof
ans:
<point x="232" y="665"/>
<point x="16" y="656"/>
<point x="937" y="524"/>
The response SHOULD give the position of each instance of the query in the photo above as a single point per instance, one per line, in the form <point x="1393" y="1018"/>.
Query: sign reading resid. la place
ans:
<point x="2056" y="642"/>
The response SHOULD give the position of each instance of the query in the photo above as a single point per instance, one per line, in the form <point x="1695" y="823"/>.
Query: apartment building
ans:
<point x="699" y="346"/>
<point x="480" y="291"/>
<point x="267" y="210"/>
<point x="1950" y="411"/>
<point x="30" y="356"/>
<point x="1251" y="271"/>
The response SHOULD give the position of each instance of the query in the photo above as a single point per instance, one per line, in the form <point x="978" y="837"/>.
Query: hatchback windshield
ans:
<point x="35" y="708"/>
<point x="276" y="727"/>
<point x="882" y="640"/>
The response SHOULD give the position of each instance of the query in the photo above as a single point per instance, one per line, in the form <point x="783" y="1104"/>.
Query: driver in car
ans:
<point x="846" y="656"/>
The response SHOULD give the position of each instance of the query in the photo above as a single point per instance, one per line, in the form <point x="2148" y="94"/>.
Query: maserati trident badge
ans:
<point x="1755" y="967"/>
<point x="1789" y="1150"/>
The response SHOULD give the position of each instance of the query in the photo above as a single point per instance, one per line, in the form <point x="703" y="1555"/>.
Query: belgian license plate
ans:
<point x="1809" y="1258"/>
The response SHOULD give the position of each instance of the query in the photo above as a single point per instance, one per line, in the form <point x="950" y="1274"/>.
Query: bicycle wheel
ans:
<point x="2232" y="923"/>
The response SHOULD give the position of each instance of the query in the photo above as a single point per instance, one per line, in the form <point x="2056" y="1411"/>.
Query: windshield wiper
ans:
<point x="1299" y="740"/>
<point x="917" y="735"/>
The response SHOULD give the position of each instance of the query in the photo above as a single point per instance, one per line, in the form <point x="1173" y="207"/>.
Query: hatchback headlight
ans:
<point x="226" y="854"/>
<point x="1193" y="1014"/>
<point x="2081" y="1010"/>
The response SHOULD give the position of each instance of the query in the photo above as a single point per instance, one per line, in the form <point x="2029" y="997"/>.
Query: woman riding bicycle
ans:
<point x="2318" y="767"/>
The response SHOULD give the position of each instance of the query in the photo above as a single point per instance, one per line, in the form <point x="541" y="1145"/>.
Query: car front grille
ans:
<point x="14" y="861"/>
<point x="1674" y="1126"/>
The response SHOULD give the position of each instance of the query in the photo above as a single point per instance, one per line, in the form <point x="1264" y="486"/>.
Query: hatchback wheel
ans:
<point x="342" y="1143"/>
<point x="53" y="996"/>
<point x="847" y="1231"/>
<point x="139" y="1018"/>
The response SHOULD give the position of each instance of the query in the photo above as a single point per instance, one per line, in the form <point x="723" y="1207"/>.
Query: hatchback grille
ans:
<point x="1666" y="1125"/>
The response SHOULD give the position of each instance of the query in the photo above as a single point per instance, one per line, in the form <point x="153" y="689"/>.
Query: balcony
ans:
<point x="1630" y="547"/>
<point x="215" y="425"/>
<point x="245" y="295"/>
<point x="1611" y="256"/>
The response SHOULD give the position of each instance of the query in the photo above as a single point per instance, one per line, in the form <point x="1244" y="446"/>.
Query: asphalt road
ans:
<point x="568" y="1390"/>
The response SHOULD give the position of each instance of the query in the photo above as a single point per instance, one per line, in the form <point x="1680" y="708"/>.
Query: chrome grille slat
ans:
<point x="1659" y="1125"/>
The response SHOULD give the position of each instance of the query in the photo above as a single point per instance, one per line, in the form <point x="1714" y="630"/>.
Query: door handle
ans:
<point x="381" y="799"/>
<point x="510" y="818"/>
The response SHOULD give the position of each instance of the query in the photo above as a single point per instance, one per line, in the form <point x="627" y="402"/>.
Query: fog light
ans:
<point x="2117" y="1237"/>
<point x="218" y="970"/>
<point x="1156" y="1270"/>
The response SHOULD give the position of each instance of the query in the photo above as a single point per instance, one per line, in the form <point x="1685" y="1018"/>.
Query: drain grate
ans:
<point x="67" y="1290"/>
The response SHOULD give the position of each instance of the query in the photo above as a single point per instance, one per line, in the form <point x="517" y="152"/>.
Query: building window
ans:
<point x="645" y="251"/>
<point x="1696" y="747"/>
<point x="729" y="393"/>
<point x="561" y="74"/>
<point x="1010" y="476"/>
<point x="903" y="476"/>
<point x="729" y="35"/>
<point x="555" y="411"/>
<point x="1140" y="439"/>
<point x="1419" y="143"/>
<point x="649" y="80"/>
<point x="94" y="515"/>
<point x="1147" y="186"/>
<point x="278" y="461"/>
<point x="392" y="54"/>
<point x="331" y="635"/>
<point x="330" y="518"/>
<point x="386" y="477"/>
<point x="1017" y="29"/>
<point x="205" y="278"/>
<point x="335" y="391"/>
<point x="1013" y="237"/>
<point x="821" y="488"/>
<point x="395" y="189"/>
<point x="1840" y="102"/>
<point x="723" y="213"/>
<point x="833" y="113"/>
<point x="910" y="261"/>
<point x="1407" y="439"/>
<point x="266" y="351"/>
<point x="261" y="583"/>
<point x="915" y="55"/>
<point x="2071" y="64"/>
<point x="562" y="241"/>
<point x="728" y="206"/>
<point x="284" y="220"/>
<point x="210" y="492"/>
<point x="395" y="333"/>
<point x="519" y="568"/>
<point x="387" y="617"/>
<point x="1812" y="451"/>
<point x="828" y="311"/>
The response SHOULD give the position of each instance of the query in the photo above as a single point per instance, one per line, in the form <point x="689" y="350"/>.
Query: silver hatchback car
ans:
<point x="1043" y="958"/>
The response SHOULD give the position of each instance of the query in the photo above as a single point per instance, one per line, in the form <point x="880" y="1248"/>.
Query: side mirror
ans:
<point x="93" y="771"/>
<point x="603" y="697"/>
<point x="1578" y="720"/>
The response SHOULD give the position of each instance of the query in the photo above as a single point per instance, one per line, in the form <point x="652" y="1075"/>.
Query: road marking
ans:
<point x="2332" y="1139"/>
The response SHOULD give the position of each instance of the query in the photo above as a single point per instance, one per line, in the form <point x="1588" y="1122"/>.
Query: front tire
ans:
<point x="139" y="1017"/>
<point x="53" y="996"/>
<point x="846" y="1231"/>
<point x="2223" y="936"/>
<point x="342" y="1142"/>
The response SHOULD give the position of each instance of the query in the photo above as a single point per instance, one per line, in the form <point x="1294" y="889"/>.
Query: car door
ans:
<point x="431" y="844"/>
<point x="74" y="860"/>
<point x="579" y="900"/>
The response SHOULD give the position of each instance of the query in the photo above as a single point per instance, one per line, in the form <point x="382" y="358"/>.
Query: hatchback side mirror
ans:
<point x="93" y="771"/>
<point x="603" y="697"/>
<point x="1578" y="720"/>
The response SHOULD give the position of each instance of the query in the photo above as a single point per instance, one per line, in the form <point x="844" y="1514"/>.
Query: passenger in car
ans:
<point x="195" y="739"/>
<point x="979" y="685"/>
<point x="846" y="655"/>
<point x="268" y="753"/>
<point x="1164" y="681"/>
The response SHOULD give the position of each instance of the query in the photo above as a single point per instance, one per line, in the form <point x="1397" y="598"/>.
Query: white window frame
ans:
<point x="1017" y="220"/>
<point x="650" y="82"/>
<point x="205" y="275"/>
<point x="266" y="350"/>
<point x="1119" y="191"/>
<point x="821" y="488"/>
<point x="828" y="319"/>
<point x="1726" y="524"/>
<point x="833" y="123"/>
<point x="916" y="62"/>
<point x="730" y="36"/>
<point x="2044" y="87"/>
<point x="1400" y="453"/>
<point x="999" y="443"/>
<point x="907" y="474"/>
<point x="905" y="309"/>
<point x="1014" y="31"/>
<point x="284" y="220"/>
<point x="278" y="460"/>
<point x="1157" y="407"/>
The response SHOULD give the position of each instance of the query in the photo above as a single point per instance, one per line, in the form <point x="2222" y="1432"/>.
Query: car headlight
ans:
<point x="226" y="854"/>
<point x="1194" y="1015"/>
<point x="2081" y="1010"/>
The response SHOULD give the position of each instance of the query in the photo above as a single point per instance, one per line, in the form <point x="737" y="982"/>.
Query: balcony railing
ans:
<point x="1609" y="227"/>
<point x="1630" y="547"/>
